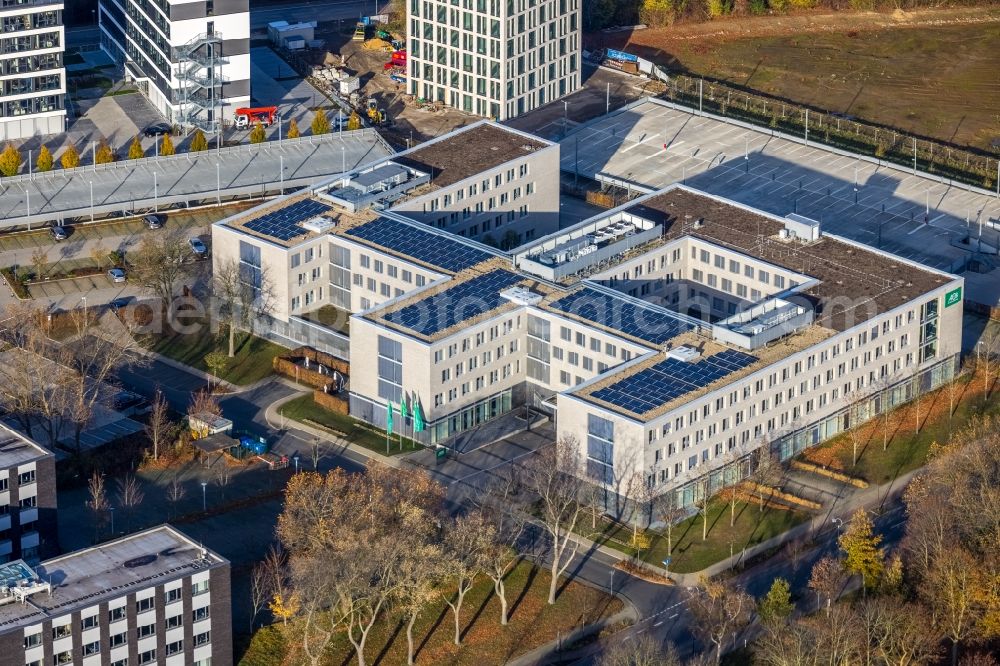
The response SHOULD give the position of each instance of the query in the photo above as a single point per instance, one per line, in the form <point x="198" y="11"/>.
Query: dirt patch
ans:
<point x="930" y="72"/>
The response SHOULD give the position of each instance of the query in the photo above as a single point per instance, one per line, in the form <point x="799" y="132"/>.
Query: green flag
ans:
<point x="388" y="417"/>
<point x="404" y="410"/>
<point x="418" y="416"/>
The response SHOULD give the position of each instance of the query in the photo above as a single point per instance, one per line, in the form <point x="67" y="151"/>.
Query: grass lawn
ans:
<point x="922" y="78"/>
<point x="331" y="317"/>
<point x="906" y="450"/>
<point x="532" y="623"/>
<point x="251" y="363"/>
<point x="305" y="409"/>
<point x="690" y="553"/>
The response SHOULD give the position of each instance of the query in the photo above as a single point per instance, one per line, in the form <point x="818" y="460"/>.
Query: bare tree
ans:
<point x="857" y="407"/>
<point x="93" y="356"/>
<point x="419" y="585"/>
<point x="719" y="613"/>
<point x="314" y="453"/>
<point x="643" y="651"/>
<point x="158" y="263"/>
<point x="669" y="511"/>
<point x="500" y="554"/>
<point x="898" y="632"/>
<point x="766" y="473"/>
<point x="552" y="474"/>
<point x="467" y="543"/>
<point x="260" y="593"/>
<point x="159" y="427"/>
<point x="735" y="468"/>
<point x="918" y="395"/>
<point x="130" y="496"/>
<point x="222" y="474"/>
<point x="98" y="503"/>
<point x="701" y="501"/>
<point x="203" y="402"/>
<point x="827" y="580"/>
<point x="175" y="493"/>
<point x="242" y="296"/>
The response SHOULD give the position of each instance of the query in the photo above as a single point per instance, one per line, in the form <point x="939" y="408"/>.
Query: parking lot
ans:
<point x="274" y="83"/>
<point x="887" y="207"/>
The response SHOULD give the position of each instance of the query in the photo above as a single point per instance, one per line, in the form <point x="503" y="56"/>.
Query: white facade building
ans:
<point x="190" y="58"/>
<point x="32" y="76"/>
<point x="494" y="58"/>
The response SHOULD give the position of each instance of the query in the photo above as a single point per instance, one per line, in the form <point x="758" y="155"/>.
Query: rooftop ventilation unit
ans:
<point x="521" y="296"/>
<point x="318" y="225"/>
<point x="684" y="353"/>
<point x="803" y="228"/>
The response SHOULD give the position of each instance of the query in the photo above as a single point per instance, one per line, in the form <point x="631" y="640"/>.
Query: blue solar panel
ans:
<point x="619" y="314"/>
<point x="425" y="246"/>
<point x="462" y="302"/>
<point x="283" y="224"/>
<point x="660" y="383"/>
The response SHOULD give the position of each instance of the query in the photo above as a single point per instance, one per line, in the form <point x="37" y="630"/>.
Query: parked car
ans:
<point x="198" y="248"/>
<point x="155" y="220"/>
<point x="59" y="232"/>
<point x="120" y="303"/>
<point x="116" y="275"/>
<point x="158" y="129"/>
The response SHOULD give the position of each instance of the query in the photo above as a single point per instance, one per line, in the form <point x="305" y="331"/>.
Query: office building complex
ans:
<point x="190" y="58"/>
<point x="31" y="69"/>
<point x="154" y="597"/>
<point x="482" y="182"/>
<point x="27" y="499"/>
<point x="674" y="338"/>
<point x="495" y="58"/>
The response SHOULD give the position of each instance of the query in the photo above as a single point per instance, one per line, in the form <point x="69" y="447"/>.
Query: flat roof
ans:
<point x="419" y="243"/>
<point x="594" y="391"/>
<point x="255" y="222"/>
<point x="469" y="151"/>
<point x="16" y="449"/>
<point x="466" y="299"/>
<point x="861" y="282"/>
<point x="92" y="575"/>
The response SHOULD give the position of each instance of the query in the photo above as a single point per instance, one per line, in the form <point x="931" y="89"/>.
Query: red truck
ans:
<point x="246" y="116"/>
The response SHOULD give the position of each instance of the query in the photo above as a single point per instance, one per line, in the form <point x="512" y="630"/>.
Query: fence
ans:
<point x="836" y="130"/>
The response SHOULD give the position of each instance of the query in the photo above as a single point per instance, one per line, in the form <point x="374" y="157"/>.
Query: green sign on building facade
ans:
<point x="952" y="297"/>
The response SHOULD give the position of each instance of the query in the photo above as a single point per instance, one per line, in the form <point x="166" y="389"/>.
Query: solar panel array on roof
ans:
<point x="462" y="302"/>
<point x="425" y="246"/>
<point x="660" y="383"/>
<point x="283" y="224"/>
<point x="619" y="314"/>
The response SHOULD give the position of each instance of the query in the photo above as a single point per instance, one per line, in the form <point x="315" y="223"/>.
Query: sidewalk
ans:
<point x="273" y="420"/>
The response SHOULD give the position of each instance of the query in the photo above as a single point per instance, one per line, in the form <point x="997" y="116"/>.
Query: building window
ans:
<point x="61" y="631"/>
<point x="148" y="657"/>
<point x="88" y="622"/>
<point x="115" y="614"/>
<point x="174" y="621"/>
<point x="200" y="614"/>
<point x="119" y="639"/>
<point x="142" y="605"/>
<point x="25" y="478"/>
<point x="146" y="630"/>
<point x="203" y="638"/>
<point x="200" y="587"/>
<point x="64" y="657"/>
<point x="32" y="640"/>
<point x="175" y="647"/>
<point x="174" y="595"/>
<point x="91" y="648"/>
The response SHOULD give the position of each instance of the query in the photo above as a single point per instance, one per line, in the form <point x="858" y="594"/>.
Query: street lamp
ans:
<point x="565" y="118"/>
<point x="839" y="522"/>
<point x="611" y="587"/>
<point x="112" y="521"/>
<point x="84" y="299"/>
<point x="204" y="504"/>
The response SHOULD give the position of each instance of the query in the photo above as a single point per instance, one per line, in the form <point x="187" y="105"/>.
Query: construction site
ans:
<point x="361" y="66"/>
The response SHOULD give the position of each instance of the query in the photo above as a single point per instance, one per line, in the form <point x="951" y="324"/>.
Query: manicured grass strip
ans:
<point x="305" y="410"/>
<point x="532" y="623"/>
<point x="251" y="363"/>
<point x="690" y="554"/>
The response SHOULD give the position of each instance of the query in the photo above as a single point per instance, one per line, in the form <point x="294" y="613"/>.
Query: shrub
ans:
<point x="320" y="123"/>
<point x="45" y="160"/>
<point x="70" y="158"/>
<point x="198" y="142"/>
<point x="10" y="161"/>
<point x="135" y="150"/>
<point x="167" y="146"/>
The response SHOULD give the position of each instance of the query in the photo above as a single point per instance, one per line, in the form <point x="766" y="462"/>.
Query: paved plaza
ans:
<point x="652" y="144"/>
<point x="186" y="179"/>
